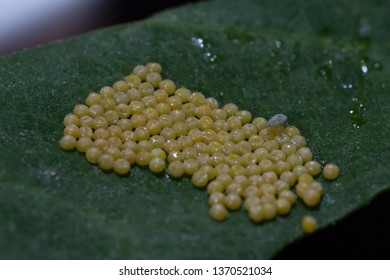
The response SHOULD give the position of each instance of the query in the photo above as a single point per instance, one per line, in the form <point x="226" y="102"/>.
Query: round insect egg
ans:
<point x="253" y="169"/>
<point x="245" y="116"/>
<point x="71" y="119"/>
<point x="101" y="144"/>
<point x="256" y="213"/>
<point x="175" y="155"/>
<point x="81" y="110"/>
<point x="222" y="168"/>
<point x="256" y="180"/>
<point x="260" y="123"/>
<point x="249" y="130"/>
<point x="121" y="98"/>
<point x="267" y="197"/>
<point x="282" y="166"/>
<point x="154" y="78"/>
<point x="283" y="206"/>
<point x="133" y="80"/>
<point x="114" y="130"/>
<point x="289" y="148"/>
<point x="218" y="212"/>
<point x="200" y="179"/>
<point x="134" y="94"/>
<point x="294" y="160"/>
<point x="299" y="141"/>
<point x="299" y="170"/>
<point x="190" y="166"/>
<point x="234" y="187"/>
<point x="288" y="177"/>
<point x="232" y="201"/>
<point x="178" y="116"/>
<point x="311" y="197"/>
<point x="108" y="104"/>
<point x="251" y="201"/>
<point x="291" y="131"/>
<point x="106" y="161"/>
<point x="309" y="224"/>
<point x="301" y="189"/>
<point x="215" y="186"/>
<point x="93" y="98"/>
<point x="120" y="86"/>
<point x="230" y="109"/>
<point x="168" y="85"/>
<point x="234" y="122"/>
<point x="86" y="131"/>
<point x="72" y="130"/>
<point x="96" y="110"/>
<point x="154" y="67"/>
<point x="269" y="211"/>
<point x="161" y="96"/>
<point x="224" y="178"/>
<point x="215" y="198"/>
<point x="107" y="91"/>
<point x="184" y="94"/>
<point x="176" y="169"/>
<point x="158" y="153"/>
<point x="143" y="158"/>
<point x="305" y="178"/>
<point x="157" y="165"/>
<point x="93" y="154"/>
<point x="331" y="171"/>
<point x="121" y="166"/>
<point x="197" y="98"/>
<point x="313" y="167"/>
<point x="114" y="151"/>
<point x="318" y="187"/>
<point x="270" y="177"/>
<point x="305" y="154"/>
<point x="251" y="191"/>
<point x="68" y="142"/>
<point x="146" y="89"/>
<point x="83" y="144"/>
<point x="288" y="195"/>
<point x="129" y="155"/>
<point x="146" y="145"/>
<point x="141" y="71"/>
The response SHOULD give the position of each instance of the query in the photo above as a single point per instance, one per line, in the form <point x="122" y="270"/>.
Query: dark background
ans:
<point x="363" y="235"/>
<point x="71" y="22"/>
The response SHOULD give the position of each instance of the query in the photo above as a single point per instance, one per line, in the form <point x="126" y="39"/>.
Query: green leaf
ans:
<point x="324" y="64"/>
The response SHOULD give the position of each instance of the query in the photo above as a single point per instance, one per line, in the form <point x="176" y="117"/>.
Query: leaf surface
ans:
<point x="323" y="64"/>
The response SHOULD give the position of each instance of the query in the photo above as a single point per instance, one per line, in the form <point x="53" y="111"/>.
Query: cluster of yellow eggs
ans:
<point x="146" y="120"/>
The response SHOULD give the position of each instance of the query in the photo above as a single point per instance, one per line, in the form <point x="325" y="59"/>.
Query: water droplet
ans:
<point x="278" y="44"/>
<point x="358" y="112"/>
<point x="346" y="86"/>
<point x="202" y="44"/>
<point x="211" y="57"/>
<point x="377" y="65"/>
<point x="199" y="42"/>
<point x="364" y="67"/>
